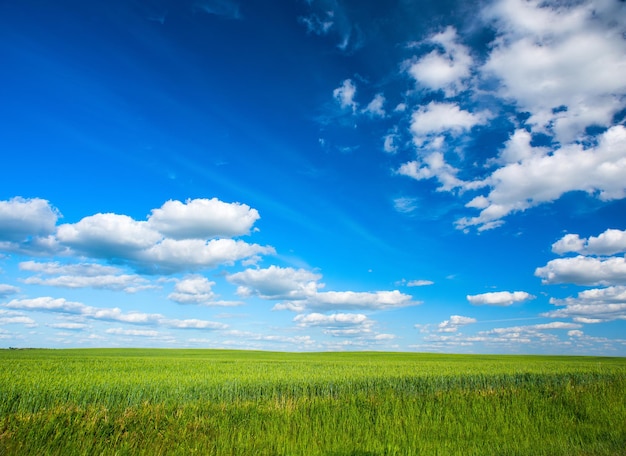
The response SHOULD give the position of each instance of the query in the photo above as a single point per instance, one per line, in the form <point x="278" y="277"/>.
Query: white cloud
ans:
<point x="108" y="235"/>
<point x="140" y="244"/>
<point x="405" y="205"/>
<point x="340" y="324"/>
<point x="377" y="300"/>
<point x="345" y="95"/>
<point x="419" y="283"/>
<point x="334" y="320"/>
<point x="21" y="218"/>
<point x="202" y="219"/>
<point x="83" y="275"/>
<point x="583" y="270"/>
<point x="592" y="306"/>
<point x="550" y="56"/>
<point x="7" y="290"/>
<point x="375" y="108"/>
<point x="499" y="298"/>
<point x="433" y="166"/>
<point x="436" y="118"/>
<point x="69" y="326"/>
<point x="48" y="304"/>
<point x="277" y="283"/>
<point x="607" y="243"/>
<point x="544" y="177"/>
<point x="453" y="324"/>
<point x="132" y="332"/>
<point x="194" y="289"/>
<point x="390" y="141"/>
<point x="16" y="320"/>
<point x="193" y="324"/>
<point x="445" y="68"/>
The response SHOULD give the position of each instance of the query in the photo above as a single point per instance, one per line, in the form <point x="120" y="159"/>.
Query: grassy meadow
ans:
<point x="220" y="402"/>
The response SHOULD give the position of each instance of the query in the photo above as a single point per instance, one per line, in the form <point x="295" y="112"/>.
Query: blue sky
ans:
<point x="315" y="175"/>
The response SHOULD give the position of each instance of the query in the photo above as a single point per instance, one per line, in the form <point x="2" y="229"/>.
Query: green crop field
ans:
<point x="216" y="402"/>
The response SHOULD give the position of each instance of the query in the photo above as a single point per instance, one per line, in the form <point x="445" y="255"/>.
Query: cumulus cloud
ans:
<point x="176" y="237"/>
<point x="446" y="67"/>
<point x="592" y="306"/>
<point x="547" y="55"/>
<point x="453" y="324"/>
<point x="609" y="242"/>
<point x="203" y="219"/>
<point x="499" y="298"/>
<point x="196" y="289"/>
<point x="583" y="270"/>
<point x="545" y="176"/>
<point x="276" y="283"/>
<point x="22" y="218"/>
<point x="444" y="117"/>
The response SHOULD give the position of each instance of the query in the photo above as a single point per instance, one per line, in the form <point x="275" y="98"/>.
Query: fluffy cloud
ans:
<point x="147" y="245"/>
<point x="446" y="67"/>
<point x="276" y="283"/>
<point x="339" y="324"/>
<point x="453" y="324"/>
<point x="196" y="289"/>
<point x="335" y="300"/>
<point x="345" y="95"/>
<point x="22" y="218"/>
<point x="543" y="176"/>
<point x="547" y="58"/>
<point x="608" y="243"/>
<point x="583" y="270"/>
<point x="499" y="298"/>
<point x="300" y="290"/>
<point x="83" y="275"/>
<point x="592" y="306"/>
<point x="202" y="219"/>
<point x="437" y="118"/>
<point x="375" y="108"/>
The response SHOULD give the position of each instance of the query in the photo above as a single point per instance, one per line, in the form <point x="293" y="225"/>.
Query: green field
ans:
<point x="144" y="401"/>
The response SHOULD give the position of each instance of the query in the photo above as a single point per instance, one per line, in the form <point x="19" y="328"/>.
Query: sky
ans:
<point x="314" y="175"/>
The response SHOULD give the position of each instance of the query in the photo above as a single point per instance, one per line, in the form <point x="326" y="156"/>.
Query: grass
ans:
<point x="220" y="402"/>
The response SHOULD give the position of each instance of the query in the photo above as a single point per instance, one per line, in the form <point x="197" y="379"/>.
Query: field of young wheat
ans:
<point x="214" y="402"/>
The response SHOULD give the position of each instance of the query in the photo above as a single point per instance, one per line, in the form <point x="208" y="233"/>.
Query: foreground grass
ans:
<point x="258" y="403"/>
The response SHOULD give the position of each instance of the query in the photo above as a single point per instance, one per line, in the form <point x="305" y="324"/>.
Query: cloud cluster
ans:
<point x="110" y="314"/>
<point x="499" y="298"/>
<point x="299" y="291"/>
<point x="558" y="66"/>
<point x="176" y="237"/>
<point x="594" y="268"/>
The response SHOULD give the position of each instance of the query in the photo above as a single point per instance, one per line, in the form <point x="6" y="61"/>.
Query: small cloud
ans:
<point x="499" y="298"/>
<point x="375" y="107"/>
<point x="345" y="95"/>
<point x="419" y="283"/>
